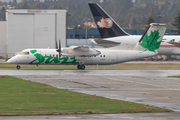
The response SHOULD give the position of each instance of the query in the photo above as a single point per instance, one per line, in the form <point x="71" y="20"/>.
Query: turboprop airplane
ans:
<point x="112" y="34"/>
<point x="147" y="46"/>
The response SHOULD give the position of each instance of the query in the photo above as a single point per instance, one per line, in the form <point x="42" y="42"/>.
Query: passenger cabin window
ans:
<point x="56" y="55"/>
<point x="104" y="55"/>
<point x="25" y="53"/>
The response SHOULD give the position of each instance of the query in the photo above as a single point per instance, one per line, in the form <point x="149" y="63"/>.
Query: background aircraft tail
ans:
<point x="106" y="25"/>
<point x="152" y="38"/>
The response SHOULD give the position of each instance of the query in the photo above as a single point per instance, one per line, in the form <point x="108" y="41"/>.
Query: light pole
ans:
<point x="86" y="19"/>
<point x="161" y="18"/>
<point x="67" y="15"/>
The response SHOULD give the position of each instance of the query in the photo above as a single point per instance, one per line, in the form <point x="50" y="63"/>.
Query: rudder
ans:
<point x="106" y="25"/>
<point x="152" y="38"/>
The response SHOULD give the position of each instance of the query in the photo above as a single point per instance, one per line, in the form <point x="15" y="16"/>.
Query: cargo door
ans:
<point x="112" y="57"/>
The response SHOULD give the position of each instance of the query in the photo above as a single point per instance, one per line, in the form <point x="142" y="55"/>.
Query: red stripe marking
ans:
<point x="170" y="46"/>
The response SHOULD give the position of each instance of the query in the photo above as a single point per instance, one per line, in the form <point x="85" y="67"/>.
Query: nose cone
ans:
<point x="9" y="61"/>
<point x="12" y="60"/>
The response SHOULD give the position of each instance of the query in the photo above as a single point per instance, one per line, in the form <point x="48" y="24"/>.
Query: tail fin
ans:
<point x="152" y="38"/>
<point x="106" y="25"/>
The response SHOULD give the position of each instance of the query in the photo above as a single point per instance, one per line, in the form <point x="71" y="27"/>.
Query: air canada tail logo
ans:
<point x="105" y="23"/>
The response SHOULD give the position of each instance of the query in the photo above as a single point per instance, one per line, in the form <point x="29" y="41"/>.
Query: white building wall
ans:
<point x="35" y="29"/>
<point x="44" y="30"/>
<point x="3" y="39"/>
<point x="20" y="32"/>
<point x="61" y="28"/>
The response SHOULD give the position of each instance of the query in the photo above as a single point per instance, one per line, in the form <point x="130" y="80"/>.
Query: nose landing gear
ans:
<point x="18" y="67"/>
<point x="81" y="67"/>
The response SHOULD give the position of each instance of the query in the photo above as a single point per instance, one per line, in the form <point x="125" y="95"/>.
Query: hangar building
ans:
<point x="3" y="39"/>
<point x="32" y="29"/>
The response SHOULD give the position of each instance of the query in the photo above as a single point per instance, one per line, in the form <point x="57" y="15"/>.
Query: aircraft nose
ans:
<point x="9" y="61"/>
<point x="12" y="60"/>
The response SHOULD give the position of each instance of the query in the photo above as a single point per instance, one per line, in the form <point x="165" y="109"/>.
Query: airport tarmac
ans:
<point x="149" y="87"/>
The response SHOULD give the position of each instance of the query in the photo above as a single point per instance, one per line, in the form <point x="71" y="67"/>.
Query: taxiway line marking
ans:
<point x="142" y="83"/>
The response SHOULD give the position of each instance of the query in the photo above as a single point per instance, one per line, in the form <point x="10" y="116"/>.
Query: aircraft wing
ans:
<point x="82" y="48"/>
<point x="104" y="43"/>
<point x="174" y="43"/>
<point x="80" y="51"/>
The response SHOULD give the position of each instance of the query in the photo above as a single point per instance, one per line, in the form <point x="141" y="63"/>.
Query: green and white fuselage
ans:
<point x="147" y="46"/>
<point x="50" y="57"/>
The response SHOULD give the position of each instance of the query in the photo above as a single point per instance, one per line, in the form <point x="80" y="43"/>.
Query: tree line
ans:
<point x="127" y="13"/>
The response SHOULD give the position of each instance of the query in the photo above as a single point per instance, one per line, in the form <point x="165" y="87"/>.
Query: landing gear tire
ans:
<point x="78" y="67"/>
<point x="81" y="67"/>
<point x="18" y="67"/>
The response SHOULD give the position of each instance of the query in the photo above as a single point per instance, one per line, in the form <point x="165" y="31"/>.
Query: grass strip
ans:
<point x="174" y="76"/>
<point x="21" y="97"/>
<point x="120" y="66"/>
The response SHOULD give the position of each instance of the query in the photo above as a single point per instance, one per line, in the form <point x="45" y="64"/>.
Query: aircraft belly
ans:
<point x="125" y="56"/>
<point x="58" y="63"/>
<point x="97" y="60"/>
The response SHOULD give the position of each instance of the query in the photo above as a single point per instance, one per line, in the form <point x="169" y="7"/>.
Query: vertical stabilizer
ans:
<point x="152" y="38"/>
<point x="106" y="25"/>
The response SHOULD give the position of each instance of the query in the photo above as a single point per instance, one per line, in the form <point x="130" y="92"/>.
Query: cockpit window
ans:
<point x="25" y="53"/>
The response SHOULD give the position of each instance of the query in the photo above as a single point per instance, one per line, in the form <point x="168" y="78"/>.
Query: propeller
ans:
<point x="59" y="49"/>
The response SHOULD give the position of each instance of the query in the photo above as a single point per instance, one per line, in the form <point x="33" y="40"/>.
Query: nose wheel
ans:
<point x="81" y="67"/>
<point x="18" y="67"/>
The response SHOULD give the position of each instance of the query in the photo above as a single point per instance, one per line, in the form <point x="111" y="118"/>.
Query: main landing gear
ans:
<point x="18" y="67"/>
<point x="81" y="67"/>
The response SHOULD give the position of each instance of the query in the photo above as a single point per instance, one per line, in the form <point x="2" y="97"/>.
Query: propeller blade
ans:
<point x="60" y="45"/>
<point x="59" y="49"/>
